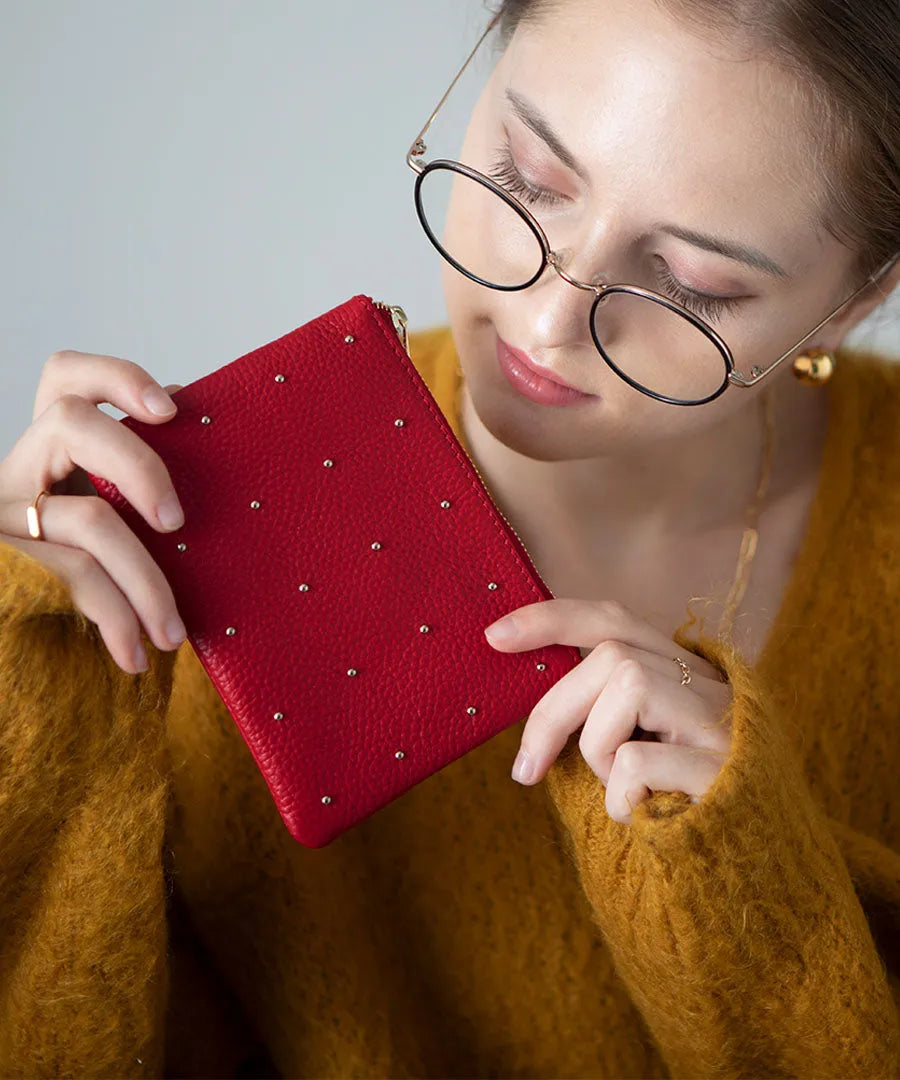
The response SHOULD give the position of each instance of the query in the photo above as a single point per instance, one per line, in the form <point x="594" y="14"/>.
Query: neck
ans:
<point x="685" y="488"/>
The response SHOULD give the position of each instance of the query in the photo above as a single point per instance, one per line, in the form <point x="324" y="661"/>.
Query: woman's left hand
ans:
<point x="627" y="687"/>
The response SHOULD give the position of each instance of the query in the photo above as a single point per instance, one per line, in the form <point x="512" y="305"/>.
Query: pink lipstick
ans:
<point x="526" y="377"/>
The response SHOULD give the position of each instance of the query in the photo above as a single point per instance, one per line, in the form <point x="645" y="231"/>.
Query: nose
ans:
<point x="562" y="314"/>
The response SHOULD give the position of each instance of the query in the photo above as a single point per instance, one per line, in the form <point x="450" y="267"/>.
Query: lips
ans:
<point x="525" y="377"/>
<point x="524" y="359"/>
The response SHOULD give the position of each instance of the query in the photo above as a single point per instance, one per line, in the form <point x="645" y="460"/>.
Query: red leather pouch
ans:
<point x="339" y="561"/>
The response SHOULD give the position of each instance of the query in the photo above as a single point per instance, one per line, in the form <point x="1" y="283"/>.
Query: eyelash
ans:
<point x="507" y="175"/>
<point x="707" y="307"/>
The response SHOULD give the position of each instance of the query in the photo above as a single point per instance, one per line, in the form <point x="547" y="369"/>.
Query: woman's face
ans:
<point x="666" y="134"/>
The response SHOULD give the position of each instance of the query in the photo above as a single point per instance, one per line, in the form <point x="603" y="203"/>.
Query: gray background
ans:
<point x="185" y="180"/>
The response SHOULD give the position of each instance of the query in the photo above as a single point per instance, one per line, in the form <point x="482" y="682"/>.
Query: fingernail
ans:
<point x="175" y="631"/>
<point x="522" y="768"/>
<point x="503" y="629"/>
<point x="140" y="658"/>
<point x="169" y="512"/>
<point x="158" y="401"/>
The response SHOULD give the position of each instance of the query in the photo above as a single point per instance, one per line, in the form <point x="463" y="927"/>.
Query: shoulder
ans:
<point x="432" y="351"/>
<point x="866" y="454"/>
<point x="877" y="375"/>
<point x="872" y="381"/>
<point x="433" y="354"/>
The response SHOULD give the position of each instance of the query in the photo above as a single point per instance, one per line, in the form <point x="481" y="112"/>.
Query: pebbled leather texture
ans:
<point x="364" y="610"/>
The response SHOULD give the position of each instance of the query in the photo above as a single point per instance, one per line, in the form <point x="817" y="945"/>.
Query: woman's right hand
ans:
<point x="112" y="577"/>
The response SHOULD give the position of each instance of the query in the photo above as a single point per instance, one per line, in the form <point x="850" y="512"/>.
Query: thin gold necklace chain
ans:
<point x="751" y="525"/>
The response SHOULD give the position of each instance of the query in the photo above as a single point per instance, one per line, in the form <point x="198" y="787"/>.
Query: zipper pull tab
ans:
<point x="400" y="321"/>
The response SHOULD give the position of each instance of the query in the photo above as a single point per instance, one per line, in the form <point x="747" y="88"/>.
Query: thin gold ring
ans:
<point x="32" y="519"/>
<point x="685" y="670"/>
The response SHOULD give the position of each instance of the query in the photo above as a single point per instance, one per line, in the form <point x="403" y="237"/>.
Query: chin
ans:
<point x="528" y="429"/>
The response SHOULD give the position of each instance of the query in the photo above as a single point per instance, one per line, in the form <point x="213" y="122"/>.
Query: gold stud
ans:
<point x="328" y="463"/>
<point x="303" y="588"/>
<point x="541" y="667"/>
<point x="349" y="339"/>
<point x="182" y="547"/>
<point x="445" y="505"/>
<point x="351" y="671"/>
<point x="492" y="585"/>
<point x="399" y="423"/>
<point x="231" y="631"/>
<point x="376" y="546"/>
<point x="254" y="505"/>
<point x="399" y="755"/>
<point x="471" y="710"/>
<point x="326" y="799"/>
<point x="205" y="419"/>
<point x="278" y="716"/>
<point x="424" y="629"/>
<point x="279" y="378"/>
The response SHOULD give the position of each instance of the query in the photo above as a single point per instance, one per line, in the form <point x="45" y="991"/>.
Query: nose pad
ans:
<point x="557" y="262"/>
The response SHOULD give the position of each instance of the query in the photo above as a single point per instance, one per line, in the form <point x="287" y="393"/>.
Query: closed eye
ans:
<point x="507" y="175"/>
<point x="706" y="305"/>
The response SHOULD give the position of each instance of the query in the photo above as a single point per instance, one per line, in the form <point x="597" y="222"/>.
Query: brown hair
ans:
<point x="847" y="54"/>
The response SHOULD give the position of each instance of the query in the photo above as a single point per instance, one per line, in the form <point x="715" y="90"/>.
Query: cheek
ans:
<point x="470" y="212"/>
<point x="469" y="311"/>
<point x="455" y="200"/>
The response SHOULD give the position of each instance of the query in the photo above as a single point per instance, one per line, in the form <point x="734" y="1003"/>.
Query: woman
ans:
<point x="706" y="884"/>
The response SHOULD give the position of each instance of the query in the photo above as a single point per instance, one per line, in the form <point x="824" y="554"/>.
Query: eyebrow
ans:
<point x="531" y="117"/>
<point x="731" y="249"/>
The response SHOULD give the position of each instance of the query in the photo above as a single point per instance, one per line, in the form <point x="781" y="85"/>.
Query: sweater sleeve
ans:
<point x="737" y="922"/>
<point x="83" y="801"/>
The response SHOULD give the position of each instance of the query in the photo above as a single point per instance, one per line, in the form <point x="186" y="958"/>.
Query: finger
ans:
<point x="641" y="768"/>
<point x="668" y="717"/>
<point x="566" y="706"/>
<point x="94" y="593"/>
<point x="89" y="523"/>
<point x="584" y="624"/>
<point x="636" y="696"/>
<point x="584" y="692"/>
<point x="611" y="652"/>
<point x="72" y="433"/>
<point x="97" y="379"/>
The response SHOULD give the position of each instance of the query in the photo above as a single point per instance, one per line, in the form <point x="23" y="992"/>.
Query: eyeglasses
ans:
<point x="661" y="348"/>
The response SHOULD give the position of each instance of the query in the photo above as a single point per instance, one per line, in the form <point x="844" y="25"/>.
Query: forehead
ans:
<point x="649" y="106"/>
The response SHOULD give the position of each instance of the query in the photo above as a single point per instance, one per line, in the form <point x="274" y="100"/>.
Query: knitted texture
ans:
<point x="157" y="919"/>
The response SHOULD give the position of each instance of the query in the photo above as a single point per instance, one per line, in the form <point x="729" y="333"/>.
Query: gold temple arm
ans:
<point x="418" y="147"/>
<point x="758" y="373"/>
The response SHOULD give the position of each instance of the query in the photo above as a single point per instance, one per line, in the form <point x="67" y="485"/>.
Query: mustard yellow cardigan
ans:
<point x="156" y="918"/>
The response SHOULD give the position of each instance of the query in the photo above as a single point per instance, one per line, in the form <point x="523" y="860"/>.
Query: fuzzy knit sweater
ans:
<point x="157" y="919"/>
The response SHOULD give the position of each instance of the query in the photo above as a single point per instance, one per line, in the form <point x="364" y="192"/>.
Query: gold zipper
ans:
<point x="400" y="321"/>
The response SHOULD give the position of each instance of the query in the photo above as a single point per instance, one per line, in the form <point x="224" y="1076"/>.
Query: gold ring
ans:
<point x="685" y="670"/>
<point x="32" y="519"/>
